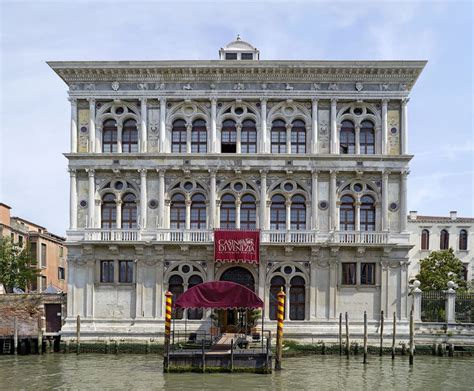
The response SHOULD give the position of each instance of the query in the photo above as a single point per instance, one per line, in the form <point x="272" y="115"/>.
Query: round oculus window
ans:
<point x="357" y="111"/>
<point x="239" y="110"/>
<point x="83" y="203"/>
<point x="238" y="186"/>
<point x="185" y="269"/>
<point x="287" y="269"/>
<point x="188" y="185"/>
<point x="393" y="206"/>
<point x="83" y="129"/>
<point x="153" y="204"/>
<point x="119" y="110"/>
<point x="288" y="186"/>
<point x="118" y="185"/>
<point x="393" y="130"/>
<point x="358" y="187"/>
<point x="323" y="205"/>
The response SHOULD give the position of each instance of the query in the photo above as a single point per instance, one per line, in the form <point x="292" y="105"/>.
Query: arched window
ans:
<point x="130" y="136"/>
<point x="109" y="211"/>
<point x="109" y="136"/>
<point x="239" y="275"/>
<point x="178" y="211"/>
<point x="463" y="239"/>
<point x="198" y="211"/>
<point x="178" y="136"/>
<point x="278" y="212"/>
<point x="199" y="137"/>
<point x="129" y="211"/>
<point x="425" y="239"/>
<point x="276" y="284"/>
<point x="176" y="287"/>
<point x="248" y="137"/>
<point x="367" y="138"/>
<point x="228" y="211"/>
<point x="298" y="137"/>
<point x="444" y="240"/>
<point x="248" y="212"/>
<point x="367" y="214"/>
<point x="194" y="313"/>
<point x="298" y="212"/>
<point x="347" y="214"/>
<point x="228" y="137"/>
<point x="297" y="298"/>
<point x="278" y="136"/>
<point x="347" y="138"/>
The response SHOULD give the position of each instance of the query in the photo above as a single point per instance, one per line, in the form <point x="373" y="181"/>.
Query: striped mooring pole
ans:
<point x="169" y="304"/>
<point x="280" y="317"/>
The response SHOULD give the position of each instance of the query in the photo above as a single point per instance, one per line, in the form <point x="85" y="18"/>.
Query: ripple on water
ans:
<point x="143" y="372"/>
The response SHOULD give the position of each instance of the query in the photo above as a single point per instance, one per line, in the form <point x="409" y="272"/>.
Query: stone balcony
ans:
<point x="292" y="237"/>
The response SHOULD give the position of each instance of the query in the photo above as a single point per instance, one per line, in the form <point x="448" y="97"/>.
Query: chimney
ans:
<point x="413" y="214"/>
<point x="453" y="214"/>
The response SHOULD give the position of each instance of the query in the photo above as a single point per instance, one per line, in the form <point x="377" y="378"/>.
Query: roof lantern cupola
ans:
<point x="239" y="50"/>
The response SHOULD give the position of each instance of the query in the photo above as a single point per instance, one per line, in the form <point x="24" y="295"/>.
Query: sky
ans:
<point x="35" y="113"/>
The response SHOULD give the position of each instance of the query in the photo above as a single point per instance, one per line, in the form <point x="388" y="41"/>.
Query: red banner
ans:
<point x="236" y="246"/>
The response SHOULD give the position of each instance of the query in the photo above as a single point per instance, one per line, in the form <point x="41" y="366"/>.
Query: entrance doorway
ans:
<point x="235" y="320"/>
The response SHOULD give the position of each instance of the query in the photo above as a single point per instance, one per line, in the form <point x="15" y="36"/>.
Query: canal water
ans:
<point x="143" y="372"/>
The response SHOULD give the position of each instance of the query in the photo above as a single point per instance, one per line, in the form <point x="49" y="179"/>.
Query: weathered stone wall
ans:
<point x="26" y="309"/>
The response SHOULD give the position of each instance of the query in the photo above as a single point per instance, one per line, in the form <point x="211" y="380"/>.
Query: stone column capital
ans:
<point x="315" y="100"/>
<point x="162" y="100"/>
<point x="386" y="173"/>
<point x="263" y="173"/>
<point x="72" y="172"/>
<point x="263" y="100"/>
<point x="385" y="101"/>
<point x="73" y="100"/>
<point x="213" y="101"/>
<point x="91" y="172"/>
<point x="143" y="100"/>
<point x="333" y="101"/>
<point x="142" y="172"/>
<point x="213" y="172"/>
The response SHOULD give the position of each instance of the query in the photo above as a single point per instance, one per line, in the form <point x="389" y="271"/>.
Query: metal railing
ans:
<point x="433" y="306"/>
<point x="188" y="341"/>
<point x="464" y="307"/>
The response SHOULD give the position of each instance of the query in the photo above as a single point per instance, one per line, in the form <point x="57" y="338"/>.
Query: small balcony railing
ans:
<point x="112" y="235"/>
<point x="360" y="237"/>
<point x="175" y="235"/>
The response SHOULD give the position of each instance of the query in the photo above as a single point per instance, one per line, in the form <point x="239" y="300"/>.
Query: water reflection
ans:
<point x="143" y="372"/>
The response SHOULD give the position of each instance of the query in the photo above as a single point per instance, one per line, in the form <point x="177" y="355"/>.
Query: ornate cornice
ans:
<point x="360" y="77"/>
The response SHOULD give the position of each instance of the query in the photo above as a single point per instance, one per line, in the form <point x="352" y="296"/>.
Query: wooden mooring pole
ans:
<point x="169" y="306"/>
<point x="340" y="334"/>
<point x="365" y="337"/>
<point x="15" y="337"/>
<point x="381" y="333"/>
<point x="40" y="335"/>
<point x="394" y="332"/>
<point x="231" y="355"/>
<point x="78" y="334"/>
<point x="280" y="317"/>
<point x="412" y="337"/>
<point x="348" y="347"/>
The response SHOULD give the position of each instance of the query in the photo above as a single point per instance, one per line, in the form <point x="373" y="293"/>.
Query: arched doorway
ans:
<point x="233" y="320"/>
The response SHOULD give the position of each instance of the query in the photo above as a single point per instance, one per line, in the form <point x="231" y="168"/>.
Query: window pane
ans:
<point x="367" y="273"/>
<point x="349" y="273"/>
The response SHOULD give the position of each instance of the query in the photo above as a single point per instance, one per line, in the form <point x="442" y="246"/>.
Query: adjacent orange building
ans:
<point x="47" y="249"/>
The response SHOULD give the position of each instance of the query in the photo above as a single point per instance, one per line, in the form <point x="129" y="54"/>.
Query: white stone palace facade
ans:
<point x="312" y="153"/>
<point x="434" y="233"/>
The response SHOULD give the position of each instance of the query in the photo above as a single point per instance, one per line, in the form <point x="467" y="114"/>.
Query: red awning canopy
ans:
<point x="219" y="294"/>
